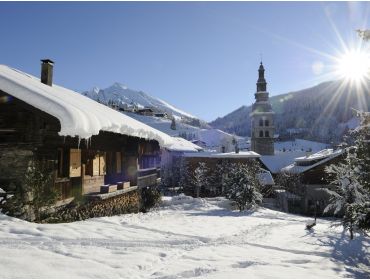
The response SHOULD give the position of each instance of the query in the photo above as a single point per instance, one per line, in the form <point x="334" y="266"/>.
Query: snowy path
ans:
<point x="185" y="238"/>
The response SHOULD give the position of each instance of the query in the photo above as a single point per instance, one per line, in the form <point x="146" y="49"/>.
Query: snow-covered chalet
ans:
<point x="89" y="147"/>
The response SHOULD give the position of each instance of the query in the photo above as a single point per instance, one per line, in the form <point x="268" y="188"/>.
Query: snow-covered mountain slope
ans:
<point x="323" y="112"/>
<point x="185" y="238"/>
<point x="213" y="138"/>
<point x="164" y="125"/>
<point x="121" y="94"/>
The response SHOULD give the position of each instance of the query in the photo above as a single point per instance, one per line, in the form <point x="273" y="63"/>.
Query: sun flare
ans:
<point x="354" y="65"/>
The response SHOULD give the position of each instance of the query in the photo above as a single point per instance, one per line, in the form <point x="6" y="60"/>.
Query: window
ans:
<point x="63" y="158"/>
<point x="118" y="162"/>
<point x="267" y="123"/>
<point x="267" y="134"/>
<point x="261" y="133"/>
<point x="261" y="122"/>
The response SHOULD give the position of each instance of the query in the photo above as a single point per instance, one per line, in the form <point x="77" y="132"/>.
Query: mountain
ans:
<point x="321" y="113"/>
<point x="121" y="96"/>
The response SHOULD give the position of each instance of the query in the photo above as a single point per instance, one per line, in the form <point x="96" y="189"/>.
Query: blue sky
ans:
<point x="201" y="57"/>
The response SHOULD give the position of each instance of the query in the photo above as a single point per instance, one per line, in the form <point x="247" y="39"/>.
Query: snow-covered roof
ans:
<point x="243" y="154"/>
<point x="180" y="144"/>
<point x="78" y="115"/>
<point x="286" y="153"/>
<point x="276" y="162"/>
<point x="317" y="156"/>
<point x="316" y="159"/>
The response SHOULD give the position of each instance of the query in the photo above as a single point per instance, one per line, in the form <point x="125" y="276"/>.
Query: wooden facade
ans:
<point x="79" y="166"/>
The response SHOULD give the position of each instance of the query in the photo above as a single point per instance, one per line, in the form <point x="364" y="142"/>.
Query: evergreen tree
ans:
<point x="173" y="124"/>
<point x="243" y="186"/>
<point x="200" y="177"/>
<point x="185" y="182"/>
<point x="291" y="182"/>
<point x="364" y="34"/>
<point x="351" y="196"/>
<point x="348" y="196"/>
<point x="218" y="178"/>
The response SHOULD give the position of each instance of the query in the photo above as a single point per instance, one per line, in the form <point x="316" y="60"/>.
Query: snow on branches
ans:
<point x="364" y="34"/>
<point x="242" y="185"/>
<point x="351" y="179"/>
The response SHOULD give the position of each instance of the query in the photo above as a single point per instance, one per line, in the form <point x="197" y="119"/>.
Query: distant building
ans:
<point x="145" y="111"/>
<point x="262" y="118"/>
<point x="213" y="158"/>
<point x="160" y="114"/>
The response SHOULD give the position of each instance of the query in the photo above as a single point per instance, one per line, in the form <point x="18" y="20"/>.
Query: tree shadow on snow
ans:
<point x="354" y="254"/>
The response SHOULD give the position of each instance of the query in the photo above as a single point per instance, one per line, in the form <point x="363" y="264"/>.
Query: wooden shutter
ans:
<point x="96" y="166"/>
<point x="75" y="163"/>
<point x="103" y="166"/>
<point x="118" y="162"/>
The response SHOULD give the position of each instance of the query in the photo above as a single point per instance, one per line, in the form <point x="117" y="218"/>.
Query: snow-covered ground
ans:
<point x="184" y="238"/>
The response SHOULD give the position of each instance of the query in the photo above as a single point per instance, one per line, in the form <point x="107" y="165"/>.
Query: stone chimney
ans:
<point x="47" y="71"/>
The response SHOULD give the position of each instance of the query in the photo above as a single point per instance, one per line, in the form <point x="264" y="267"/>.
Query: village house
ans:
<point x="314" y="179"/>
<point x="212" y="159"/>
<point x="89" y="147"/>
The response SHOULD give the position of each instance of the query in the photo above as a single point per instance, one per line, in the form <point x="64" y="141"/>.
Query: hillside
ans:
<point x="124" y="97"/>
<point x="212" y="138"/>
<point x="321" y="113"/>
<point x="185" y="238"/>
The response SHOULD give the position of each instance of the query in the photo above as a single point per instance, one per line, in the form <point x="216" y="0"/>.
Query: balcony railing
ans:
<point x="147" y="177"/>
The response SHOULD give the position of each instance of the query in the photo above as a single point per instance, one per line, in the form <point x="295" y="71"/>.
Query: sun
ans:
<point x="354" y="65"/>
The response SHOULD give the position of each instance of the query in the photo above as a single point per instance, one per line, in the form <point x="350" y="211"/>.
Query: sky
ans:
<point x="201" y="57"/>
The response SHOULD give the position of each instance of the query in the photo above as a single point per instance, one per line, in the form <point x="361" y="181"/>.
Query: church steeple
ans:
<point x="263" y="129"/>
<point x="261" y="82"/>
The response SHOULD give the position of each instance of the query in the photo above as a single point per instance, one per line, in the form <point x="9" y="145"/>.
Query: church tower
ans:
<point x="262" y="118"/>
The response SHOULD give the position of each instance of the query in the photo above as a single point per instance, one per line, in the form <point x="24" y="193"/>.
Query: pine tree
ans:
<point x="291" y="182"/>
<point x="200" y="177"/>
<point x="243" y="186"/>
<point x="348" y="195"/>
<point x="364" y="34"/>
<point x="351" y="195"/>
<point x="219" y="176"/>
<point x="173" y="124"/>
<point x="185" y="182"/>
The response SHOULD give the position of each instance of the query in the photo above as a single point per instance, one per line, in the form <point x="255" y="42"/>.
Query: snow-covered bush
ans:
<point x="242" y="185"/>
<point x="150" y="197"/>
<point x="35" y="195"/>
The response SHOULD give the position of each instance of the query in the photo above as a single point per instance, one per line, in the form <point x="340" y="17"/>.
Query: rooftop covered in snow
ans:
<point x="180" y="144"/>
<point x="244" y="154"/>
<point x="79" y="116"/>
<point x="303" y="164"/>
